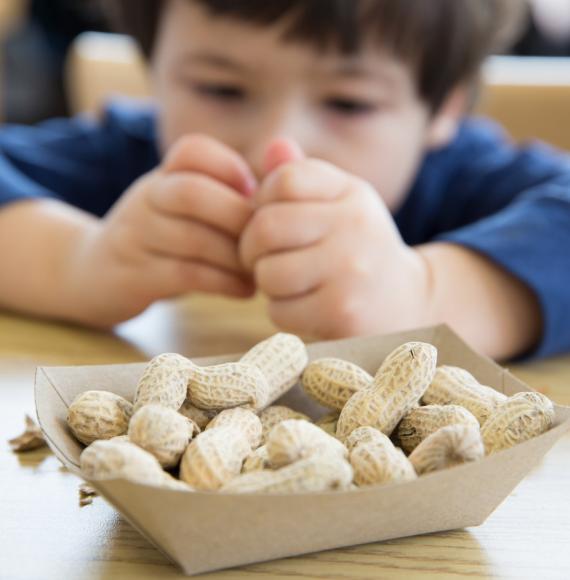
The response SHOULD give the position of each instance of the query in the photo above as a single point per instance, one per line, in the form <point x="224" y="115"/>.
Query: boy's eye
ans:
<point x="225" y="92"/>
<point x="350" y="106"/>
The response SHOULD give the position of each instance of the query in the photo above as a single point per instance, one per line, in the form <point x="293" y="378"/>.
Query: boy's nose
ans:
<point x="280" y="136"/>
<point x="271" y="153"/>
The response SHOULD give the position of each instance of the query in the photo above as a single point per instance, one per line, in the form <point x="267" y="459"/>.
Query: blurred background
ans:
<point x="57" y="58"/>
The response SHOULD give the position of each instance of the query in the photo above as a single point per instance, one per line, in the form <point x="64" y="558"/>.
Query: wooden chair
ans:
<point x="12" y="12"/>
<point x="100" y="66"/>
<point x="529" y="96"/>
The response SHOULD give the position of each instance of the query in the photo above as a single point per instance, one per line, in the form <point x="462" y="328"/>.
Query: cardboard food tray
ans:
<point x="204" y="531"/>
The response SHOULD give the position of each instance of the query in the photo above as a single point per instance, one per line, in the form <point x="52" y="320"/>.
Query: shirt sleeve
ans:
<point x="511" y="205"/>
<point x="82" y="161"/>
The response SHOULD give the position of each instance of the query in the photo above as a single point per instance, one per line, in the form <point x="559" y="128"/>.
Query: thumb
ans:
<point x="279" y="151"/>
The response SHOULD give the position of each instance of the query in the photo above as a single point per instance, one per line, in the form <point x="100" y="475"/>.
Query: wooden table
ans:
<point x="44" y="534"/>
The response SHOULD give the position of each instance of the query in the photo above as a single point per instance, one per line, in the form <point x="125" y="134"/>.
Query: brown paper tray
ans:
<point x="208" y="531"/>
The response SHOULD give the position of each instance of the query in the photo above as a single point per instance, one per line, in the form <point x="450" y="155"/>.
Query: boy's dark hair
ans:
<point x="444" y="41"/>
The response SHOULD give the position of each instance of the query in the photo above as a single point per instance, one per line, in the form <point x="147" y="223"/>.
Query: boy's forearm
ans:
<point x="39" y="241"/>
<point x="494" y="311"/>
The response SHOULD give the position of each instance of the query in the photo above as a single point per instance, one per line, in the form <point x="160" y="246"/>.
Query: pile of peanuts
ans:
<point x="215" y="428"/>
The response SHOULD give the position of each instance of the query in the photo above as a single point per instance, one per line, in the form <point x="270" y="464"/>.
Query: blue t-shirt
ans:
<point x="510" y="204"/>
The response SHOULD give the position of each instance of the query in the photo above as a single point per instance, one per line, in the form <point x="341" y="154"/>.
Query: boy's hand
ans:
<point x="175" y="230"/>
<point x="325" y="250"/>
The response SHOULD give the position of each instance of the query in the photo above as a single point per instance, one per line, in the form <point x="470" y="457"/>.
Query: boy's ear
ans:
<point x="445" y="122"/>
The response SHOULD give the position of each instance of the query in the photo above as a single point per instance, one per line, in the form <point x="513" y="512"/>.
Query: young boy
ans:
<point x="313" y="150"/>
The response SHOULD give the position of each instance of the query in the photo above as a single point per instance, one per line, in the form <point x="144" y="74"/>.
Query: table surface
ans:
<point x="44" y="534"/>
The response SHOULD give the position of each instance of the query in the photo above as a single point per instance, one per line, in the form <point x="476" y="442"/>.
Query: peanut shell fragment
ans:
<point x="32" y="438"/>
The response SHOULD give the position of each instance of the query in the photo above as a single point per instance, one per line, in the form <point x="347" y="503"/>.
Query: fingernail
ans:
<point x="250" y="185"/>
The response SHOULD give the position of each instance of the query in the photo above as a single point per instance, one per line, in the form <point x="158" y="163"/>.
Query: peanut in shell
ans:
<point x="274" y="414"/>
<point x="164" y="381"/>
<point x="332" y="381"/>
<point x="296" y="439"/>
<point x="97" y="415"/>
<point x="315" y="473"/>
<point x="228" y="385"/>
<point x="214" y="457"/>
<point x="163" y="432"/>
<point x="456" y="386"/>
<point x="447" y="447"/>
<point x="518" y="419"/>
<point x="199" y="416"/>
<point x="375" y="460"/>
<point x="281" y="358"/>
<point x="242" y="419"/>
<point x="421" y="422"/>
<point x="398" y="385"/>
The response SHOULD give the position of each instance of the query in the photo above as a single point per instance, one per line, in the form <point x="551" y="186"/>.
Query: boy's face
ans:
<point x="242" y="84"/>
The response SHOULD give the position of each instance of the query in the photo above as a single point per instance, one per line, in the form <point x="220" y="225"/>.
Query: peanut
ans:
<point x="456" y="386"/>
<point x="162" y="432"/>
<point x="423" y="421"/>
<point x="398" y="385"/>
<point x="228" y="385"/>
<point x="214" y="457"/>
<point x="447" y="447"/>
<point x="328" y="423"/>
<point x="199" y="416"/>
<point x="164" y="381"/>
<point x="274" y="414"/>
<point x="298" y="456"/>
<point x="281" y="358"/>
<point x="256" y="460"/>
<point x="332" y="381"/>
<point x="98" y="415"/>
<point x="170" y="482"/>
<point x="124" y="460"/>
<point x="363" y="435"/>
<point x="519" y="418"/>
<point x="315" y="473"/>
<point x="120" y="439"/>
<point x="375" y="459"/>
<point x="243" y="419"/>
<point x="296" y="439"/>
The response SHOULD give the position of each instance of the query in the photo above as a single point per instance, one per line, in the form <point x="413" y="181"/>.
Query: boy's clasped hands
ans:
<point x="316" y="240"/>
